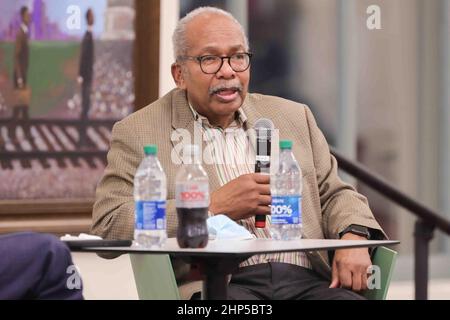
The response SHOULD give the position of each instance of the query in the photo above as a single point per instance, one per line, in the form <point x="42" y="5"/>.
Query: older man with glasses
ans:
<point x="212" y="74"/>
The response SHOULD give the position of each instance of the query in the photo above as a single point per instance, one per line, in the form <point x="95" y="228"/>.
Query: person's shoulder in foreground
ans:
<point x="39" y="266"/>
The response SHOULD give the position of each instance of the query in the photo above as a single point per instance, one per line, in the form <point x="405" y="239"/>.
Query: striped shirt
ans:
<point x="234" y="155"/>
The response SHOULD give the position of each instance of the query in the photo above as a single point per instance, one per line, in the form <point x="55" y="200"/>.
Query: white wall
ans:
<point x="105" y="279"/>
<point x="170" y="10"/>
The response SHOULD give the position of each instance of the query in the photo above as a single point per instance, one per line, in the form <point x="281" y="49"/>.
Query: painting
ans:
<point x="65" y="79"/>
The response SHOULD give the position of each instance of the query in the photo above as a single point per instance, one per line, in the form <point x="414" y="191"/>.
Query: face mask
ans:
<point x="222" y="227"/>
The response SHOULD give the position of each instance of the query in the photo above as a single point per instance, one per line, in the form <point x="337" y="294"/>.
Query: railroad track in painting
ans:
<point x="44" y="139"/>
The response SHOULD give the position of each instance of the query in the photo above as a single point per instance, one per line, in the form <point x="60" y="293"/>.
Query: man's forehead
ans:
<point x="211" y="19"/>
<point x="209" y="33"/>
<point x="217" y="47"/>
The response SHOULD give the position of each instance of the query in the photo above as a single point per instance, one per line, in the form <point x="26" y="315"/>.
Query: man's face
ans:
<point x="214" y="35"/>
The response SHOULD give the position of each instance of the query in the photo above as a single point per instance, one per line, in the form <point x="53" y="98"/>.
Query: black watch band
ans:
<point x="358" y="230"/>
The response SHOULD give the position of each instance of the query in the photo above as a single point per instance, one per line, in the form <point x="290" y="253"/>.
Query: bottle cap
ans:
<point x="285" y="144"/>
<point x="151" y="149"/>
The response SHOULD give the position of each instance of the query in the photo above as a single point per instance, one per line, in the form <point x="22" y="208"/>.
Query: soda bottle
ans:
<point x="286" y="191"/>
<point x="192" y="200"/>
<point x="150" y="193"/>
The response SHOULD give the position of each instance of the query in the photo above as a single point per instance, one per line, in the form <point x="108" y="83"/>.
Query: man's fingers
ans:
<point x="263" y="210"/>
<point x="265" y="200"/>
<point x="345" y="277"/>
<point x="364" y="281"/>
<point x="261" y="178"/>
<point x="335" y="283"/>
<point x="264" y="189"/>
<point x="334" y="277"/>
<point x="356" y="278"/>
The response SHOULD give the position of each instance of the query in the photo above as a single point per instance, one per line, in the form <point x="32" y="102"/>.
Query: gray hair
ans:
<point x="180" y="45"/>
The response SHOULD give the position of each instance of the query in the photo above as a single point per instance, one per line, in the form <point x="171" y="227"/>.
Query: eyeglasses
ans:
<point x="211" y="64"/>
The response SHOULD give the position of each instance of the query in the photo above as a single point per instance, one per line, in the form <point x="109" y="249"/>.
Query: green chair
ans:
<point x="385" y="259"/>
<point x="155" y="279"/>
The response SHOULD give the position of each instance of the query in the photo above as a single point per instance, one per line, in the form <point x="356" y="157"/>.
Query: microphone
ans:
<point x="263" y="128"/>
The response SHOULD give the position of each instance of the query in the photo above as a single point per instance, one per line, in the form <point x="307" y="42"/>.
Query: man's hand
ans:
<point x="80" y="80"/>
<point x="20" y="83"/>
<point x="350" y="266"/>
<point x="243" y="197"/>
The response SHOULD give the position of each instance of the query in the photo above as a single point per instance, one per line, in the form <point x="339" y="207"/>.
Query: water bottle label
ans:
<point x="192" y="195"/>
<point x="150" y="215"/>
<point x="286" y="210"/>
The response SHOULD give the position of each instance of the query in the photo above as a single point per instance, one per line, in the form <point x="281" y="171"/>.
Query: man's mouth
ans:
<point x="227" y="94"/>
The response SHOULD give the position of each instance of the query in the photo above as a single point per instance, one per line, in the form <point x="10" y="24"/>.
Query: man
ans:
<point x="37" y="266"/>
<point x="21" y="57"/>
<point x="85" y="76"/>
<point x="212" y="72"/>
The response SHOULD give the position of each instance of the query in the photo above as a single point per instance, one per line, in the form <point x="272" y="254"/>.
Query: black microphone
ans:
<point x="263" y="128"/>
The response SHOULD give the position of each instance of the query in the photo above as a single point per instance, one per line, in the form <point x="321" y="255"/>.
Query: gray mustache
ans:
<point x="216" y="89"/>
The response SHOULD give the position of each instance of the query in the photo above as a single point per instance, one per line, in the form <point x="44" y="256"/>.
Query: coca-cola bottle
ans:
<point x="192" y="200"/>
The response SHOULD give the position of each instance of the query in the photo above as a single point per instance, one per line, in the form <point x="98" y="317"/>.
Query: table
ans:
<point x="221" y="257"/>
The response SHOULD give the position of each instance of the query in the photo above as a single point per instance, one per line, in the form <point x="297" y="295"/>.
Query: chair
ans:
<point x="385" y="259"/>
<point x="155" y="279"/>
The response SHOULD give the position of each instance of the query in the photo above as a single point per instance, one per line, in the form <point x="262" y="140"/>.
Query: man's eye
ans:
<point x="239" y="56"/>
<point x="209" y="59"/>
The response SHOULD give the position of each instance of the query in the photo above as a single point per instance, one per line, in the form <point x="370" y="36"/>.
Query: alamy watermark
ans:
<point x="232" y="147"/>
<point x="374" y="19"/>
<point x="74" y="280"/>
<point x="73" y="21"/>
<point x="374" y="279"/>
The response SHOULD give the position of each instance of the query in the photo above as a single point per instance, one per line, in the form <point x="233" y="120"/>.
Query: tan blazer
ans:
<point x="328" y="204"/>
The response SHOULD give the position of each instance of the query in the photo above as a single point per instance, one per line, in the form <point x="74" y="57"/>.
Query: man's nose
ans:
<point x="225" y="70"/>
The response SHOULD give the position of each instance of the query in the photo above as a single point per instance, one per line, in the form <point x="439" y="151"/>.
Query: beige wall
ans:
<point x="387" y="78"/>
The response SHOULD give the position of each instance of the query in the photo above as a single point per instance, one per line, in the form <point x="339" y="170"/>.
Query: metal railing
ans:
<point x="427" y="219"/>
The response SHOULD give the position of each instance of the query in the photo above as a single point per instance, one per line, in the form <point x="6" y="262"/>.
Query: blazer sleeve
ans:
<point x="340" y="203"/>
<point x="113" y="213"/>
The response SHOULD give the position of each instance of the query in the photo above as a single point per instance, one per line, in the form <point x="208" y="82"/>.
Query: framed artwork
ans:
<point x="65" y="79"/>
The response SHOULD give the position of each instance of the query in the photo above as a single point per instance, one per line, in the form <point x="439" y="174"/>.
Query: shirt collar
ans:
<point x="240" y="119"/>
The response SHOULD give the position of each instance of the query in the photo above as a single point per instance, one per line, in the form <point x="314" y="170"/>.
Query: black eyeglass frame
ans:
<point x="199" y="59"/>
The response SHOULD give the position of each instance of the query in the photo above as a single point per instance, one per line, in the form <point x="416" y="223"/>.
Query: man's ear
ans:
<point x="177" y="74"/>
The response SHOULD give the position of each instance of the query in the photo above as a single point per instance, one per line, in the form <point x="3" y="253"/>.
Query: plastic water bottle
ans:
<point x="286" y="191"/>
<point x="150" y="193"/>
<point x="192" y="200"/>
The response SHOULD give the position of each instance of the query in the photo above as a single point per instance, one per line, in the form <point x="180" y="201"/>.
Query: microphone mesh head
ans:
<point x="264" y="123"/>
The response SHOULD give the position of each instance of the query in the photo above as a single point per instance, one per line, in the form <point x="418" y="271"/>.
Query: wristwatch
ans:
<point x="358" y="230"/>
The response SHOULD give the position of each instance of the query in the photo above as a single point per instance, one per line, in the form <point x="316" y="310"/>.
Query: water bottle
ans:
<point x="192" y="200"/>
<point x="286" y="191"/>
<point x="150" y="193"/>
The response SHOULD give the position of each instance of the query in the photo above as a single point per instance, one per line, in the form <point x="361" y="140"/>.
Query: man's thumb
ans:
<point x="334" y="277"/>
<point x="334" y="282"/>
